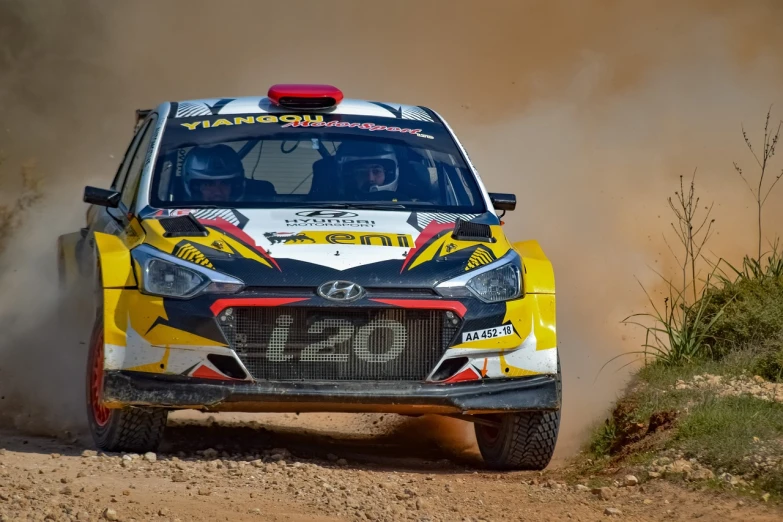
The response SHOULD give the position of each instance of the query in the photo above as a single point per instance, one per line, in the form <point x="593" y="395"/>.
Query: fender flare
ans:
<point x="114" y="258"/>
<point x="538" y="273"/>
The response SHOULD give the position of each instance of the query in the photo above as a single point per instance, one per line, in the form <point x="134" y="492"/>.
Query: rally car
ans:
<point x="303" y="252"/>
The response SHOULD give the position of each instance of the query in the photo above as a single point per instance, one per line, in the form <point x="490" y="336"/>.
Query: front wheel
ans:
<point x="520" y="441"/>
<point x="129" y="429"/>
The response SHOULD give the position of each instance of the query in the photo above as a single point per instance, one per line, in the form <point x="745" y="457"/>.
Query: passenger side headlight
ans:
<point x="164" y="275"/>
<point x="500" y="284"/>
<point x="496" y="282"/>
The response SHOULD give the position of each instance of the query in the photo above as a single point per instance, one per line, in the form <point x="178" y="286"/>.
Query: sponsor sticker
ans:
<point x="321" y="237"/>
<point x="488" y="333"/>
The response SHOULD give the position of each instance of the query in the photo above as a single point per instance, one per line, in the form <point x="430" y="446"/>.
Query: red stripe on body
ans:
<point x="205" y="372"/>
<point x="238" y="234"/>
<point x="468" y="374"/>
<point x="221" y="304"/>
<point x="430" y="304"/>
<point x="431" y="230"/>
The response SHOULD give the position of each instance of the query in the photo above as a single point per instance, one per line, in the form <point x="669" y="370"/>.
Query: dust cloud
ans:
<point x="588" y="111"/>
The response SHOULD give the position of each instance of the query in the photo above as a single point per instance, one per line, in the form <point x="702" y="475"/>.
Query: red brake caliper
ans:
<point x="99" y="413"/>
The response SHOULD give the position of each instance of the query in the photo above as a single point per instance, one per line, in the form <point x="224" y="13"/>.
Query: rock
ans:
<point x="332" y="457"/>
<point x="759" y="379"/>
<point x="730" y="479"/>
<point x="342" y="462"/>
<point x="66" y="491"/>
<point x="3" y="451"/>
<point x="582" y="487"/>
<point x="126" y="492"/>
<point x="110" y="514"/>
<point x="647" y="502"/>
<point x="631" y="480"/>
<point x="702" y="474"/>
<point x="765" y="497"/>
<point x="421" y="504"/>
<point x="204" y="492"/>
<point x="612" y="512"/>
<point x="653" y="474"/>
<point x="89" y="453"/>
<point x="150" y="457"/>
<point x="55" y="455"/>
<point x="164" y="512"/>
<point x="83" y="515"/>
<point x="602" y="493"/>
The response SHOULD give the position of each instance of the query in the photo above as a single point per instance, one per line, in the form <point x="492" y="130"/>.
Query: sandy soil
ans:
<point x="317" y="468"/>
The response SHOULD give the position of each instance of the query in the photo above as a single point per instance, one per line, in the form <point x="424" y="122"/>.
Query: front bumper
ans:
<point x="125" y="388"/>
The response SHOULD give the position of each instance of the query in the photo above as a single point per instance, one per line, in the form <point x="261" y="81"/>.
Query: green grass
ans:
<point x="720" y="431"/>
<point x="747" y="312"/>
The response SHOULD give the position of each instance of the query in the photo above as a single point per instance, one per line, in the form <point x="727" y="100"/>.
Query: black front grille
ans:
<point x="327" y="344"/>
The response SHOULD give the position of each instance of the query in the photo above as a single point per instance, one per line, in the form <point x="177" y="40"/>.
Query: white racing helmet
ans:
<point x="354" y="154"/>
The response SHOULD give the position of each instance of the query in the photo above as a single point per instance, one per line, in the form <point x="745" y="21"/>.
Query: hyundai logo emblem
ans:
<point x="340" y="291"/>
<point x="326" y="214"/>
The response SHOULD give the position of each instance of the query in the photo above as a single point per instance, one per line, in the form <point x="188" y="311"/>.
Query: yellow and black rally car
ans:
<point x="304" y="252"/>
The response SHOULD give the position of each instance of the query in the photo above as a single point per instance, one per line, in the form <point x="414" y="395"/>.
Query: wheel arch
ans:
<point x="539" y="275"/>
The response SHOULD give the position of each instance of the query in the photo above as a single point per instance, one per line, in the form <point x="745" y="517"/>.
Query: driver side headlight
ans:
<point x="165" y="275"/>
<point x="492" y="283"/>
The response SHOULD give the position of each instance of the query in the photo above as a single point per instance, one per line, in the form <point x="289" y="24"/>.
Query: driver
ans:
<point x="367" y="167"/>
<point x="213" y="173"/>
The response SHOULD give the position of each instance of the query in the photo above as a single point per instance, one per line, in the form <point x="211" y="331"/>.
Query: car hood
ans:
<point x="306" y="247"/>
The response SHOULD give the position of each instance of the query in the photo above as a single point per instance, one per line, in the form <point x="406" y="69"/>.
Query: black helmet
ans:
<point x="217" y="162"/>
<point x="354" y="153"/>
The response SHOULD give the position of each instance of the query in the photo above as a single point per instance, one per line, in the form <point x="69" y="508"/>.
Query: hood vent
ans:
<point x="182" y="226"/>
<point x="467" y="231"/>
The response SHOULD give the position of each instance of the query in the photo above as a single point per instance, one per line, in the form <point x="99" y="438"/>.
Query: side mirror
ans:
<point x="101" y="197"/>
<point x="503" y="201"/>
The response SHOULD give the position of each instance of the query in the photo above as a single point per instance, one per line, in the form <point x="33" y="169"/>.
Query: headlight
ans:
<point x="168" y="276"/>
<point x="160" y="277"/>
<point x="500" y="284"/>
<point x="495" y="282"/>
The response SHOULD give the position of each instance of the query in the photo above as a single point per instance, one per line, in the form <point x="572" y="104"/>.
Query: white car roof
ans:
<point x="262" y="105"/>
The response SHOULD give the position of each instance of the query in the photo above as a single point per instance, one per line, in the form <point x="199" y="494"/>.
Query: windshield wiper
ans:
<point x="365" y="206"/>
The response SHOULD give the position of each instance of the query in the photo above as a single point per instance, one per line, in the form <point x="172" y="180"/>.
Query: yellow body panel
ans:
<point x="446" y="244"/>
<point x="115" y="261"/>
<point x="539" y="275"/>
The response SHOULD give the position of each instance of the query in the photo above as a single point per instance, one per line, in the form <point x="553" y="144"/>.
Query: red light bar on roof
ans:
<point x="305" y="96"/>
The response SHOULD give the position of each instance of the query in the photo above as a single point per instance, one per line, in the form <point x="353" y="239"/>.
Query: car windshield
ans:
<point x="322" y="160"/>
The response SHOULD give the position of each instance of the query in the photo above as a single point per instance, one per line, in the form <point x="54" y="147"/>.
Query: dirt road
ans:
<point x="316" y="468"/>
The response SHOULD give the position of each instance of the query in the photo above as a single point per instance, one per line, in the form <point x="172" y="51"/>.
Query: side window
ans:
<point x="122" y="170"/>
<point x="136" y="165"/>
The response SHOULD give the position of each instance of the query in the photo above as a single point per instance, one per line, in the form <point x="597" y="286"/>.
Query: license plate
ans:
<point x="488" y="333"/>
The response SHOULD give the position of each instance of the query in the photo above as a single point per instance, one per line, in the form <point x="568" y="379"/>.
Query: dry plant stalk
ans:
<point x="688" y="231"/>
<point x="770" y="141"/>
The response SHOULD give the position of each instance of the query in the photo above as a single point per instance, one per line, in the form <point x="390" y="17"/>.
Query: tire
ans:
<point x="523" y="440"/>
<point x="132" y="429"/>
